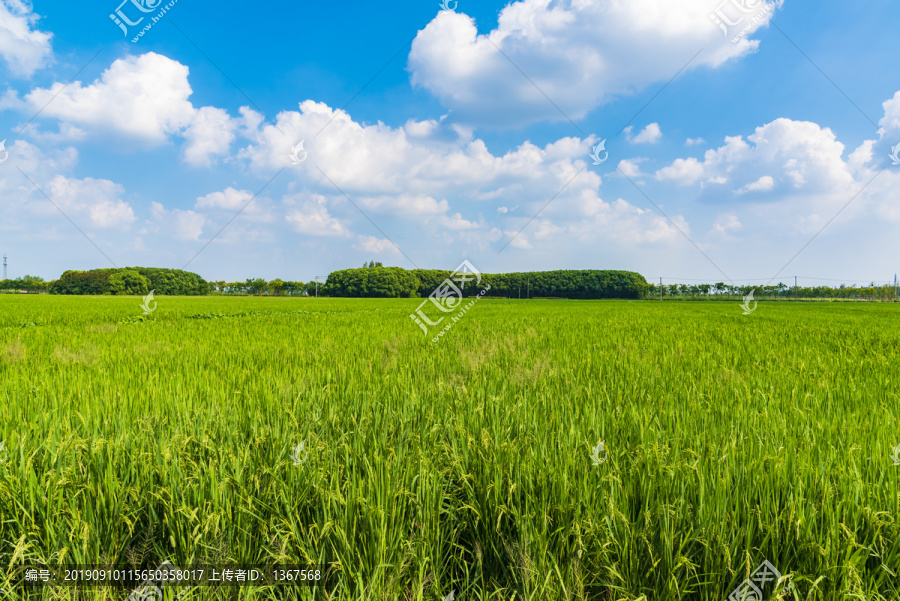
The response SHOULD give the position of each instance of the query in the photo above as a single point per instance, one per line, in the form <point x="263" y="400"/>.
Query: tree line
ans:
<point x="723" y="291"/>
<point x="130" y="280"/>
<point x="373" y="280"/>
<point x="26" y="283"/>
<point x="376" y="281"/>
<point x="259" y="286"/>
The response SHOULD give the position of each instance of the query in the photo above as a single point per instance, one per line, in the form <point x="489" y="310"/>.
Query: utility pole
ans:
<point x="317" y="286"/>
<point x="795" y="288"/>
<point x="660" y="289"/>
<point x="4" y="267"/>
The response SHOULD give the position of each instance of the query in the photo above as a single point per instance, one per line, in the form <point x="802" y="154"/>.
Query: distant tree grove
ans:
<point x="130" y="280"/>
<point x="781" y="291"/>
<point x="373" y="280"/>
<point x="26" y="283"/>
<point x="395" y="282"/>
<point x="259" y="286"/>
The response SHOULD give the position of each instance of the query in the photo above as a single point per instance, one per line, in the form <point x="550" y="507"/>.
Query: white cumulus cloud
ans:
<point x="312" y="218"/>
<point x="578" y="53"/>
<point x="143" y="98"/>
<point x="649" y="135"/>
<point x="23" y="48"/>
<point x="97" y="199"/>
<point x="229" y="198"/>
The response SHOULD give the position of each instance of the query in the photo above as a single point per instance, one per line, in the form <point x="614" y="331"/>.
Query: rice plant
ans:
<point x="603" y="450"/>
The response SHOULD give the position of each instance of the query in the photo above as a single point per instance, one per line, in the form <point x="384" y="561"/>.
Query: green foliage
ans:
<point x="82" y="282"/>
<point x="729" y="292"/>
<point x="173" y="282"/>
<point x="463" y="465"/>
<point x="277" y="287"/>
<point x="164" y="281"/>
<point x="31" y="283"/>
<point x="574" y="284"/>
<point x="127" y="281"/>
<point x="585" y="284"/>
<point x="371" y="282"/>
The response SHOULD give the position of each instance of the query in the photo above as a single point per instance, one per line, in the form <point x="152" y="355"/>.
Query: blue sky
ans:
<point x="728" y="151"/>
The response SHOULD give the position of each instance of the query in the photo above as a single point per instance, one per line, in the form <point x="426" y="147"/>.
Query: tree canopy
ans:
<point x="31" y="283"/>
<point x="395" y="282"/>
<point x="372" y="282"/>
<point x="130" y="280"/>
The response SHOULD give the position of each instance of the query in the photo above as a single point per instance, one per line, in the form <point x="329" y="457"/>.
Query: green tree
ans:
<point x="258" y="285"/>
<point x="127" y="281"/>
<point x="276" y="287"/>
<point x="96" y="281"/>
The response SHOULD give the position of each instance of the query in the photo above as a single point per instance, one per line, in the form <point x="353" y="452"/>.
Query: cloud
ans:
<point x="681" y="171"/>
<point x="184" y="225"/>
<point x="784" y="157"/>
<point x="23" y="48"/>
<point x="432" y="174"/>
<point x="763" y="184"/>
<point x="694" y="141"/>
<point x="396" y="170"/>
<point x="96" y="199"/>
<point x="649" y="135"/>
<point x="313" y="219"/>
<point x="456" y="222"/>
<point x="630" y="167"/>
<point x="141" y="98"/>
<point x="579" y="54"/>
<point x="209" y="134"/>
<point x="229" y="198"/>
<point x="879" y="152"/>
<point x="371" y="244"/>
<point x="405" y="205"/>
<point x="726" y="223"/>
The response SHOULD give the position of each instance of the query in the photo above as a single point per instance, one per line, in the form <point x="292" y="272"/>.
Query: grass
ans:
<point x="458" y="466"/>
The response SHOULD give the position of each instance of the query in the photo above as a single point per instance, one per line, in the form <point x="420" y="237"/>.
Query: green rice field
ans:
<point x="463" y="469"/>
